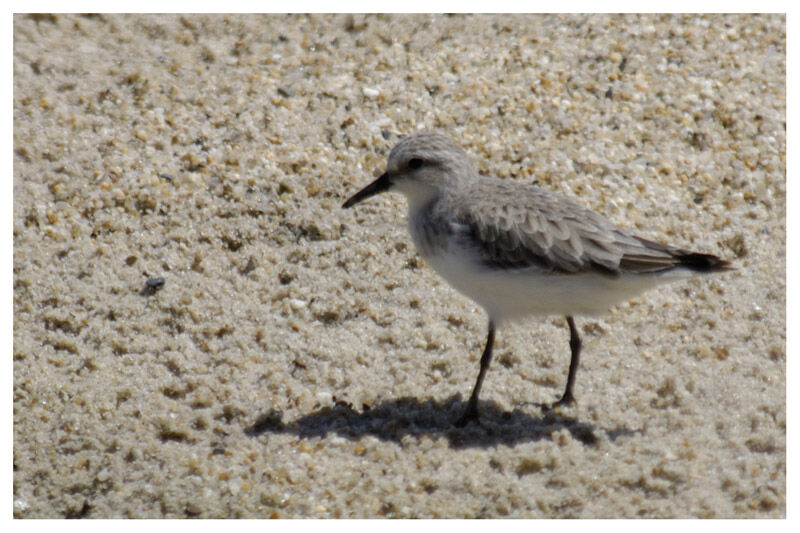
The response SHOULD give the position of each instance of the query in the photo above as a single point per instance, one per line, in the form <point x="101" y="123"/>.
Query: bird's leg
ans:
<point x="472" y="407"/>
<point x="575" y="347"/>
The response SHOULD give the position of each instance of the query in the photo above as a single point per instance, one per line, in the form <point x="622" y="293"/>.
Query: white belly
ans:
<point x="512" y="294"/>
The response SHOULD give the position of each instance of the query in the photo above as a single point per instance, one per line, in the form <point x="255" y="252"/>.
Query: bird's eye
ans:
<point x="414" y="163"/>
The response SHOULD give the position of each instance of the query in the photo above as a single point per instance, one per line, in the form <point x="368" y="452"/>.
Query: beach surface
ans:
<point x="200" y="330"/>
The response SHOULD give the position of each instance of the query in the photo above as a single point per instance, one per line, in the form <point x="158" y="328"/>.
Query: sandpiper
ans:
<point x="517" y="249"/>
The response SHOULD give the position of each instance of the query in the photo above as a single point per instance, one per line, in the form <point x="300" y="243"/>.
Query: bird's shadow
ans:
<point x="393" y="420"/>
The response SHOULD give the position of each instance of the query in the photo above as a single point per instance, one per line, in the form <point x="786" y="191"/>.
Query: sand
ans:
<point x="300" y="360"/>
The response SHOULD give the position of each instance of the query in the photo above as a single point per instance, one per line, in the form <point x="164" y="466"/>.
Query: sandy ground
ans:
<point x="300" y="360"/>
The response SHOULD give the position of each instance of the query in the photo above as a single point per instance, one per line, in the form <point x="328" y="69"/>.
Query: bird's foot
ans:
<point x="470" y="415"/>
<point x="566" y="400"/>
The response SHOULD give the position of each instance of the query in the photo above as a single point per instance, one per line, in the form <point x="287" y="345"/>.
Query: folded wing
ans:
<point x="542" y="231"/>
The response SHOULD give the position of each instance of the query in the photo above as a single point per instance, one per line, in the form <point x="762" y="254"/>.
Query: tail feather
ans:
<point x="703" y="262"/>
<point x="651" y="256"/>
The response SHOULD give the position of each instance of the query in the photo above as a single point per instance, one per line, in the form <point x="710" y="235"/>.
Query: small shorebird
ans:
<point x="520" y="250"/>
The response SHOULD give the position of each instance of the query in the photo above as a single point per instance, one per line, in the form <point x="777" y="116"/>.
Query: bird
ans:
<point x="517" y="249"/>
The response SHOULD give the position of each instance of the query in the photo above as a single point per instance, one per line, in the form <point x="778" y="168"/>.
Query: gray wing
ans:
<point x="533" y="228"/>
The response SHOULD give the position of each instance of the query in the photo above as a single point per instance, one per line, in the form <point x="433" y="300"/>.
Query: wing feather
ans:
<point x="533" y="228"/>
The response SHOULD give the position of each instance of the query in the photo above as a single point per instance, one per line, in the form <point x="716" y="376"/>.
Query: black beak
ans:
<point x="378" y="186"/>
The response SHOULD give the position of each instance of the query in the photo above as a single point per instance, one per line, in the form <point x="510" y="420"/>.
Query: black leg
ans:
<point x="472" y="407"/>
<point x="575" y="347"/>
